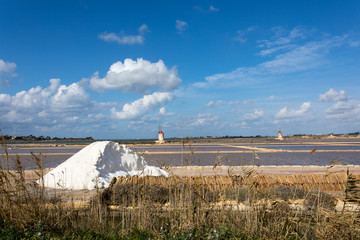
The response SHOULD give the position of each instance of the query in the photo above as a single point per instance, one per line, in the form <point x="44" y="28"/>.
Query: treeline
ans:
<point x="40" y="138"/>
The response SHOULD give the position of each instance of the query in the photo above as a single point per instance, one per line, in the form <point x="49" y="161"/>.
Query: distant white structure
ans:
<point x="161" y="139"/>
<point x="280" y="136"/>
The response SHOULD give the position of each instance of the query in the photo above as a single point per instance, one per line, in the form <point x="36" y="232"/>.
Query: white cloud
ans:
<point x="72" y="97"/>
<point x="181" y="26"/>
<point x="72" y="119"/>
<point x="300" y="58"/>
<point x="43" y="114"/>
<point x="205" y="120"/>
<point x="290" y="57"/>
<point x="7" y="69"/>
<point x="95" y="116"/>
<point x="283" y="38"/>
<point x="162" y="111"/>
<point x="349" y="110"/>
<point x="303" y="111"/>
<point x="333" y="96"/>
<point x="53" y="102"/>
<point x="140" y="76"/>
<point x="209" y="104"/>
<point x="14" y="116"/>
<point x="5" y="99"/>
<point x="123" y="38"/>
<point x="269" y="51"/>
<point x="34" y="98"/>
<point x="140" y="107"/>
<point x="344" y="108"/>
<point x="225" y="103"/>
<point x="257" y="114"/>
<point x="273" y="97"/>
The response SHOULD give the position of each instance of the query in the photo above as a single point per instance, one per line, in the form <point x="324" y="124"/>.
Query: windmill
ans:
<point x="161" y="139"/>
<point x="280" y="136"/>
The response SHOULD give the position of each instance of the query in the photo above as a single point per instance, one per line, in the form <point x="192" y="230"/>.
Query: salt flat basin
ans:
<point x="208" y="154"/>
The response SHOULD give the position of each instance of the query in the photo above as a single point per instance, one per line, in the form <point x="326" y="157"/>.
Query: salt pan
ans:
<point x="96" y="164"/>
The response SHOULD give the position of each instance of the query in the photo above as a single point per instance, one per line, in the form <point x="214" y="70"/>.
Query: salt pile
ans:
<point x="96" y="164"/>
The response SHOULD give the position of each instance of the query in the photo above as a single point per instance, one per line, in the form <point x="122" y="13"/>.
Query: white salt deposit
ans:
<point x="96" y="164"/>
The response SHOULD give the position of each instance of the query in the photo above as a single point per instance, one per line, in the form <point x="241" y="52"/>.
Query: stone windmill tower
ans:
<point x="161" y="138"/>
<point x="280" y="136"/>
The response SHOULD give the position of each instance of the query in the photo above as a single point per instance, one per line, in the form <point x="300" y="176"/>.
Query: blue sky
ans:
<point x="119" y="69"/>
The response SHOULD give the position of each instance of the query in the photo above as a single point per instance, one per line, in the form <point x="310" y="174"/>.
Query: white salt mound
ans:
<point x="97" y="164"/>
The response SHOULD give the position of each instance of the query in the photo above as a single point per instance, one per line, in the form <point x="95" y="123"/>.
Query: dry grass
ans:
<point x="281" y="211"/>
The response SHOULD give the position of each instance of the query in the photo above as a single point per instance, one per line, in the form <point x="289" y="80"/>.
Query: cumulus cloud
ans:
<point x="68" y="108"/>
<point x="140" y="76"/>
<point x="34" y="98"/>
<point x="344" y="110"/>
<point x="181" y="26"/>
<point x="142" y="106"/>
<point x="123" y="38"/>
<point x="344" y="107"/>
<point x="70" y="97"/>
<point x="333" y="96"/>
<point x="303" y="111"/>
<point x="7" y="69"/>
<point x="17" y="117"/>
<point x="5" y="99"/>
<point x="38" y="102"/>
